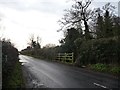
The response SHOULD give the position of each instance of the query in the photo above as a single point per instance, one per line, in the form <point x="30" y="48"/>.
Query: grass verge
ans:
<point x="112" y="69"/>
<point x="16" y="79"/>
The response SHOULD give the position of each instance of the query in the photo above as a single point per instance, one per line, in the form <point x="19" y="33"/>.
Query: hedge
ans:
<point x="104" y="50"/>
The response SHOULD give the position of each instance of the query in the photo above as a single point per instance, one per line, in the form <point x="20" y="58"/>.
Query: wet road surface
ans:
<point x="40" y="73"/>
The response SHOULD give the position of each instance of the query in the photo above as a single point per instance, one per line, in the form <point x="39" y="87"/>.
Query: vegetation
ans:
<point x="11" y="68"/>
<point x="105" y="68"/>
<point x="104" y="50"/>
<point x="48" y="52"/>
<point x="16" y="79"/>
<point x="91" y="34"/>
<point x="99" y="67"/>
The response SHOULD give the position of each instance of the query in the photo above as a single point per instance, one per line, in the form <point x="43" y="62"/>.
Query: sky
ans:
<point x="19" y="19"/>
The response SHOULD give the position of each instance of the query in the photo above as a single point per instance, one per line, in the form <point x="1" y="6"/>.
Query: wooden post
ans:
<point x="59" y="56"/>
<point x="65" y="57"/>
<point x="72" y="58"/>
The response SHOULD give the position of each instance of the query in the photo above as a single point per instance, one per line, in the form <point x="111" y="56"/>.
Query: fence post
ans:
<point x="65" y="57"/>
<point x="72" y="58"/>
<point x="59" y="56"/>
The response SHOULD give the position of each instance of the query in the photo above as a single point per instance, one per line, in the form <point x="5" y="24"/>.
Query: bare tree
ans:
<point x="31" y="41"/>
<point x="78" y="16"/>
<point x="39" y="40"/>
<point x="34" y="43"/>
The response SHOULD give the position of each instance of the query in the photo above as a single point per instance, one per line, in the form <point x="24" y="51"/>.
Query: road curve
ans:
<point x="55" y="75"/>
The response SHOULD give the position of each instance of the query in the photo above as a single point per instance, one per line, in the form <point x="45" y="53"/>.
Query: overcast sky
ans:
<point x="21" y="18"/>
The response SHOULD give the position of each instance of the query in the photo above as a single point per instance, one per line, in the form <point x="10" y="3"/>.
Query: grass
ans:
<point x="113" y="69"/>
<point x="16" y="79"/>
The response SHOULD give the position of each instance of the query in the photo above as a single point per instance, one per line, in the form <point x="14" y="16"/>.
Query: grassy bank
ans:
<point x="15" y="80"/>
<point x="111" y="69"/>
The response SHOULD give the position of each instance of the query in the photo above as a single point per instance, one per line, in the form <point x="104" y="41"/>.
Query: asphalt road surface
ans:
<point x="46" y="74"/>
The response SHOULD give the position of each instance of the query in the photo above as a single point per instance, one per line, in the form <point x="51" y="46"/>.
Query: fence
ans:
<point x="65" y="57"/>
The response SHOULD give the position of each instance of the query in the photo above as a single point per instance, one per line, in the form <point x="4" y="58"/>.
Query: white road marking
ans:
<point x="99" y="85"/>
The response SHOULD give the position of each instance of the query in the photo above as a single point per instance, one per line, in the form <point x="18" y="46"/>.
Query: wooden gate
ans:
<point x="65" y="57"/>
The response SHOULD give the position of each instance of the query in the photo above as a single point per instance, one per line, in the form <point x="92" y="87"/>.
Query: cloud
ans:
<point x="51" y="6"/>
<point x="19" y="24"/>
<point x="105" y="1"/>
<point x="23" y="17"/>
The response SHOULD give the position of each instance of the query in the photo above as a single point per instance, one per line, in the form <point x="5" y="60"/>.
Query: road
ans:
<point x="56" y="75"/>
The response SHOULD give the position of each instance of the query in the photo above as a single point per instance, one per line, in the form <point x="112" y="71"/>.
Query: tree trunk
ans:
<point x="87" y="34"/>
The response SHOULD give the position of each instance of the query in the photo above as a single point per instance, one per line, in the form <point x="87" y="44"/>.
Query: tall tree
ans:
<point x="78" y="15"/>
<point x="69" y="45"/>
<point x="34" y="43"/>
<point x="104" y="21"/>
<point x="31" y="41"/>
<point x="108" y="24"/>
<point x="38" y="42"/>
<point x="116" y="26"/>
<point x="99" y="23"/>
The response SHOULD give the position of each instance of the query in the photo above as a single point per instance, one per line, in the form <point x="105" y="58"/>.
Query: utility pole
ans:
<point x="0" y="65"/>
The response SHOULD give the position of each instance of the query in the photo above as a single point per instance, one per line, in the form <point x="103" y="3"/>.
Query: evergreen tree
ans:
<point x="108" y="25"/>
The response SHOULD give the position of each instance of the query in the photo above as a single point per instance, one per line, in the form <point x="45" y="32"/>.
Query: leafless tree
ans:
<point x="78" y="16"/>
<point x="31" y="40"/>
<point x="34" y="43"/>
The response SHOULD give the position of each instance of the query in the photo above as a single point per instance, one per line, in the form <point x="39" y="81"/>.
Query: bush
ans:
<point x="16" y="79"/>
<point x="48" y="53"/>
<point x="104" y="50"/>
<point x="10" y="68"/>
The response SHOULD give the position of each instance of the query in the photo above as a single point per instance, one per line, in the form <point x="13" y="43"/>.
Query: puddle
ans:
<point x="37" y="84"/>
<point x="23" y="62"/>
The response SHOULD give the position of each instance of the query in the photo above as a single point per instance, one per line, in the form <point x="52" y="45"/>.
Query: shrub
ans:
<point x="104" y="50"/>
<point x="9" y="60"/>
